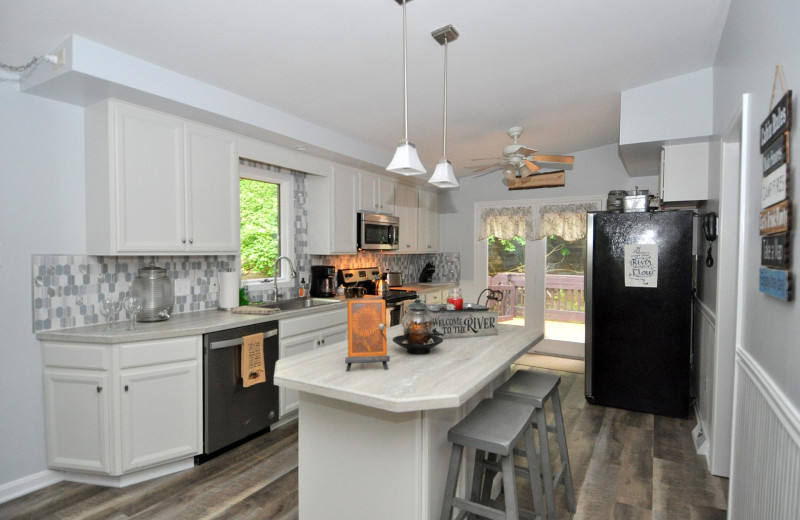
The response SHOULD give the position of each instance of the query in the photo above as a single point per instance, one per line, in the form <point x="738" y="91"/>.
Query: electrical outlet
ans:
<point x="182" y="287"/>
<point x="214" y="286"/>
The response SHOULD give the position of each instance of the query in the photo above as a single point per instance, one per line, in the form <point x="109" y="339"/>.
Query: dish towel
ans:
<point x="253" y="371"/>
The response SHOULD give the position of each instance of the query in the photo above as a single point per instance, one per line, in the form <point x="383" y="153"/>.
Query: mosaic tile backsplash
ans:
<point x="68" y="288"/>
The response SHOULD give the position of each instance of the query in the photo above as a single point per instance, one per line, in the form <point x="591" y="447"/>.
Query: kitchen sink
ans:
<point x="293" y="304"/>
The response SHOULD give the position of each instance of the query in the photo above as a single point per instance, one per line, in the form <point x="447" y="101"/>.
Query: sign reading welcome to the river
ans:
<point x="775" y="277"/>
<point x="465" y="324"/>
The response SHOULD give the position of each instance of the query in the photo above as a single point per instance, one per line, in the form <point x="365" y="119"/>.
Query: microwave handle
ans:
<point x="394" y="235"/>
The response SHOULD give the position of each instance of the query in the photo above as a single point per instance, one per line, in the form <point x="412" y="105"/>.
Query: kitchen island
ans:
<point x="373" y="442"/>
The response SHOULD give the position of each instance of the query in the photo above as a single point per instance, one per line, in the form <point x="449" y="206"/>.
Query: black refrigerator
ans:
<point x="638" y="291"/>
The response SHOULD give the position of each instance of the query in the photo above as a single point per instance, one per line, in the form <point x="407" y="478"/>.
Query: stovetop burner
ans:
<point x="366" y="277"/>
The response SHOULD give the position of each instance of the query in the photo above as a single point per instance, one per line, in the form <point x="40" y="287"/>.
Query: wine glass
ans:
<point x="107" y="310"/>
<point x="132" y="306"/>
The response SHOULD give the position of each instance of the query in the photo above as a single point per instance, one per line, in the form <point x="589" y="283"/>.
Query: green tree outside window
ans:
<point x="259" y="204"/>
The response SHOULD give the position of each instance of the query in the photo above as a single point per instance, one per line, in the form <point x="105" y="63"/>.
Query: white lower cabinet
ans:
<point x="115" y="409"/>
<point x="305" y="334"/>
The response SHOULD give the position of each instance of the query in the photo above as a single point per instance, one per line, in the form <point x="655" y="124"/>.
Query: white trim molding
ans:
<point x="29" y="484"/>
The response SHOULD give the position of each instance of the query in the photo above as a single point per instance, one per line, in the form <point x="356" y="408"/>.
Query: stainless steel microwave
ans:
<point x="378" y="231"/>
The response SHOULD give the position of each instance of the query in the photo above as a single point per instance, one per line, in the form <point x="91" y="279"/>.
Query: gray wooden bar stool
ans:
<point x="535" y="388"/>
<point x="493" y="427"/>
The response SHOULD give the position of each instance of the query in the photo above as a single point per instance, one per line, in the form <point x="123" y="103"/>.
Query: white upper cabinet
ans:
<point x="684" y="172"/>
<point x="332" y="204"/>
<point x="407" y="199"/>
<point x="377" y="194"/>
<point x="428" y="225"/>
<point x="158" y="184"/>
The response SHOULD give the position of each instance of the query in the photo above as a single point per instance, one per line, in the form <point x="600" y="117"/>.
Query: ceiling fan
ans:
<point x="519" y="161"/>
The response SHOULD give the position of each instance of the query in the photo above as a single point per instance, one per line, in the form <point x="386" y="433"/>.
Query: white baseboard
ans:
<point x="130" y="478"/>
<point x="29" y="484"/>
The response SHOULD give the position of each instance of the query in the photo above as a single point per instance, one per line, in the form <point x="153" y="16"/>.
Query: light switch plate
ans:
<point x="182" y="287"/>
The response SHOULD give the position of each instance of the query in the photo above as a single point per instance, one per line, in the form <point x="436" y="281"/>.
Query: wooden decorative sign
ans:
<point x="366" y="331"/>
<point x="538" y="180"/>
<point x="464" y="323"/>
<point x="776" y="218"/>
<point x="775" y="187"/>
<point x="776" y="283"/>
<point x="776" y="215"/>
<point x="775" y="250"/>
<point x="778" y="121"/>
<point x="777" y="155"/>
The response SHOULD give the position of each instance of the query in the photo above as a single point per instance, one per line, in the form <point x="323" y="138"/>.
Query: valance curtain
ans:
<point x="565" y="220"/>
<point x="506" y="223"/>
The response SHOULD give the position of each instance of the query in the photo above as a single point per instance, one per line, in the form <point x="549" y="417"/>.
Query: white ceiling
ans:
<point x="555" y="67"/>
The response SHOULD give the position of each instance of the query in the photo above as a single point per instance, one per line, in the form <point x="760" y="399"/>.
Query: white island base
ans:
<point x="373" y="442"/>
<point x="359" y="462"/>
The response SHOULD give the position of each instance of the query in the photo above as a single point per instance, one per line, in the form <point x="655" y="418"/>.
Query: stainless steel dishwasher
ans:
<point x="231" y="411"/>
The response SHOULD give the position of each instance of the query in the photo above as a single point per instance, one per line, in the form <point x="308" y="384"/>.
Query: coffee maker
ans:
<point x="323" y="281"/>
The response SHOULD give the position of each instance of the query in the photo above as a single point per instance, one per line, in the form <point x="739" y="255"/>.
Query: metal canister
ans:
<point x="614" y="201"/>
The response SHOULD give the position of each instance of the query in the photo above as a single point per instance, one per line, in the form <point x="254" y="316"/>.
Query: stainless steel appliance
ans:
<point x="394" y="278"/>
<point x="377" y="231"/>
<point x="156" y="291"/>
<point x="323" y="282"/>
<point x="367" y="277"/>
<point x="233" y="412"/>
<point x="638" y="290"/>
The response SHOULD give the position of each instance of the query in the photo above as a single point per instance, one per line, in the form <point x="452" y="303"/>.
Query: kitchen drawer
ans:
<point x="75" y="355"/>
<point x="145" y="353"/>
<point x="312" y="322"/>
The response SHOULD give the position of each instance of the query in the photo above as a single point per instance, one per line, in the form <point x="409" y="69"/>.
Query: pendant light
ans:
<point x="443" y="176"/>
<point x="405" y="160"/>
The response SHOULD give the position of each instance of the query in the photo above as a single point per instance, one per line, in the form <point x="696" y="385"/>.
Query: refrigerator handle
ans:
<point x="587" y="294"/>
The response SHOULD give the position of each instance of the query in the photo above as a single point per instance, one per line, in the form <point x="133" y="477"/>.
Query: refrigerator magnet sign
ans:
<point x="641" y="265"/>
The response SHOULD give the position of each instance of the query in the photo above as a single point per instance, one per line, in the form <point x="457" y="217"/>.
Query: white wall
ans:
<point x="42" y="211"/>
<point x="596" y="172"/>
<point x="758" y="35"/>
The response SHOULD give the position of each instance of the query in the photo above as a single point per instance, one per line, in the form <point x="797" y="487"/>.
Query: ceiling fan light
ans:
<point x="405" y="160"/>
<point x="443" y="176"/>
<point x="509" y="172"/>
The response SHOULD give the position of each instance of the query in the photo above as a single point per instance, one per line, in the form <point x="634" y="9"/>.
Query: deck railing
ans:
<point x="564" y="297"/>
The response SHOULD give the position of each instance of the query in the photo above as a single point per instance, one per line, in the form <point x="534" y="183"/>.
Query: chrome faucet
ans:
<point x="275" y="272"/>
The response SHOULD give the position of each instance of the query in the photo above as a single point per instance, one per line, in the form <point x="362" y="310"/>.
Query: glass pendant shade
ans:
<point x="405" y="160"/>
<point x="443" y="176"/>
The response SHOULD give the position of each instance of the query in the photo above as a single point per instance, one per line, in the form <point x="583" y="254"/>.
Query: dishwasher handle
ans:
<point x="238" y="341"/>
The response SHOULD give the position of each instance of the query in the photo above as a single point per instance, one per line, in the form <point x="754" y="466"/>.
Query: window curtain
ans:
<point x="506" y="223"/>
<point x="565" y="220"/>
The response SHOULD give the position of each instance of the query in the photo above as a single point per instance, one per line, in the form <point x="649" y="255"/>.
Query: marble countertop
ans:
<point x="447" y="377"/>
<point x="185" y="324"/>
<point x="422" y="288"/>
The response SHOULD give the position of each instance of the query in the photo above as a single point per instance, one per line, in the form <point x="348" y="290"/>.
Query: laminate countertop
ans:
<point x="184" y="324"/>
<point x="447" y="377"/>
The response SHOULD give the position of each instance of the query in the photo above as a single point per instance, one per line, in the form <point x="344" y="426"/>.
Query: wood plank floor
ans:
<point x="625" y="465"/>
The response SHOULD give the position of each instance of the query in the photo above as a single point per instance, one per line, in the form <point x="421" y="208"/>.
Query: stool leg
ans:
<point x="547" y="470"/>
<point x="479" y="470"/>
<point x="452" y="480"/>
<point x="533" y="471"/>
<point x="562" y="447"/>
<point x="510" y="487"/>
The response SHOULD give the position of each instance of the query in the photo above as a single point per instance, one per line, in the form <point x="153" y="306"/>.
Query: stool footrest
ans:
<point x="523" y="513"/>
<point x="478" y="509"/>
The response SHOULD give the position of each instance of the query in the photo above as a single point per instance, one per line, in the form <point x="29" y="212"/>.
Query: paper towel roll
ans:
<point x="228" y="290"/>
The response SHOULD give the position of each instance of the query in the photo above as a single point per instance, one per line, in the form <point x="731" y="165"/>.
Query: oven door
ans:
<point x="394" y="313"/>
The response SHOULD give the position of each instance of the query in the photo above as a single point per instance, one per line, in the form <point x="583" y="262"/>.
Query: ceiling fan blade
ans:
<point x="491" y="167"/>
<point x="531" y="167"/>
<point x="498" y="167"/>
<point x="488" y="159"/>
<point x="559" y="159"/>
<point x="524" y="150"/>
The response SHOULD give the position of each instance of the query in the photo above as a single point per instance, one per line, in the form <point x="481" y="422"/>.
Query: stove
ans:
<point x="396" y="299"/>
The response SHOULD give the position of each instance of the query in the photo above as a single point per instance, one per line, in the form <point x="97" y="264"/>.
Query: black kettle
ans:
<point x="427" y="273"/>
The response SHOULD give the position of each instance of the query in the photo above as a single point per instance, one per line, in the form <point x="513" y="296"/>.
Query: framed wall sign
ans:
<point x="777" y="122"/>
<point x="776" y="155"/>
<point x="775" y="187"/>
<point x="775" y="250"/>
<point x="366" y="331"/>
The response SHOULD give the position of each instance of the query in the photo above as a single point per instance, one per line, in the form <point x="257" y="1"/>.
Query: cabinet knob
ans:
<point x="191" y="241"/>
<point x="183" y="240"/>
<point x="99" y="389"/>
<point x="322" y="341"/>
<point x="126" y="388"/>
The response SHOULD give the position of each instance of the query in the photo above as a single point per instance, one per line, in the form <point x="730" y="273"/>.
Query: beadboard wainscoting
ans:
<point x="704" y="335"/>
<point x="766" y="447"/>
